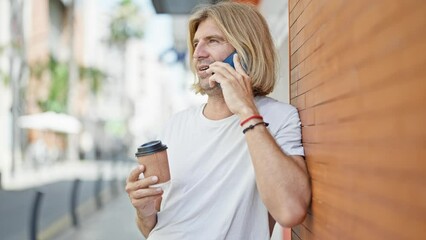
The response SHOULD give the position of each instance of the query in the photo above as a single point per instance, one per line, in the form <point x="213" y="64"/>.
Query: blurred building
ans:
<point x="121" y="94"/>
<point x="57" y="56"/>
<point x="54" y="56"/>
<point x="5" y="93"/>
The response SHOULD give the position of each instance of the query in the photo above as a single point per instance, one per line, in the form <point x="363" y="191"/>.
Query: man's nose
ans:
<point x="200" y="51"/>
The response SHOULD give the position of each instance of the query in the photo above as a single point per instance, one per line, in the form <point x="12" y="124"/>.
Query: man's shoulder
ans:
<point x="279" y="115"/>
<point x="186" y="113"/>
<point x="270" y="105"/>
<point x="179" y="121"/>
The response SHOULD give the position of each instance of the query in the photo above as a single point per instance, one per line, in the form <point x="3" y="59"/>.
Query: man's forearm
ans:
<point x="288" y="201"/>
<point x="146" y="224"/>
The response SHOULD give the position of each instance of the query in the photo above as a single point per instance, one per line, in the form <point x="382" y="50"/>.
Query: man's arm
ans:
<point x="146" y="224"/>
<point x="282" y="180"/>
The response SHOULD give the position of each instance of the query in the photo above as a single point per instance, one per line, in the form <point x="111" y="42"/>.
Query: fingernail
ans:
<point x="159" y="190"/>
<point x="154" y="179"/>
<point x="140" y="167"/>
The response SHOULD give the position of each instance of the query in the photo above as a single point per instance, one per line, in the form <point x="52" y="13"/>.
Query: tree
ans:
<point x="126" y="23"/>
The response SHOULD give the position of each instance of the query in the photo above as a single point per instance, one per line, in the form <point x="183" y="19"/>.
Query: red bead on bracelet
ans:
<point x="250" y="118"/>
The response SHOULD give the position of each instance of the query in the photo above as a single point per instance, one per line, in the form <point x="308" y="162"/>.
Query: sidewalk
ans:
<point x="44" y="203"/>
<point x="115" y="221"/>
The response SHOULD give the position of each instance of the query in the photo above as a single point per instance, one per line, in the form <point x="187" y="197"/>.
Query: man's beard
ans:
<point x="207" y="89"/>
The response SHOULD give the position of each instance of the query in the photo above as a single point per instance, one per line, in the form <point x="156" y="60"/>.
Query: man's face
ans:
<point x="209" y="46"/>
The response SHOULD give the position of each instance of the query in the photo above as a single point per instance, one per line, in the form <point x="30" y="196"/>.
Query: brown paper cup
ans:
<point x="153" y="156"/>
<point x="156" y="164"/>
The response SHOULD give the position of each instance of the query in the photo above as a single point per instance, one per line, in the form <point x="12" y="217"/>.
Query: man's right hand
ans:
<point x="142" y="197"/>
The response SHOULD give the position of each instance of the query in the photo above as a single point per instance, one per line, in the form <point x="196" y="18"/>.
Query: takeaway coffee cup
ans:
<point x="153" y="156"/>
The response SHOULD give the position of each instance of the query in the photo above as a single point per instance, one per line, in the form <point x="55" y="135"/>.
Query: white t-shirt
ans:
<point x="212" y="194"/>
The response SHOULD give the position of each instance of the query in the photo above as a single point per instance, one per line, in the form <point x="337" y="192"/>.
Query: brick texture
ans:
<point x="358" y="79"/>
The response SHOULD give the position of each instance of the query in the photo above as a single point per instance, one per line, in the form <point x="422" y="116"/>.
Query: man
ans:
<point x="237" y="157"/>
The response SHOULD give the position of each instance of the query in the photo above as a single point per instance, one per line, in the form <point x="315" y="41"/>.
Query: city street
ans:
<point x="115" y="221"/>
<point x="50" y="204"/>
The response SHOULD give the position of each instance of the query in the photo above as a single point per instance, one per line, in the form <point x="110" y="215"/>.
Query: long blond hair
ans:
<point x="247" y="31"/>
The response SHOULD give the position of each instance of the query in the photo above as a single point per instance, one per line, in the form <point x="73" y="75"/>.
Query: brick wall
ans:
<point x="358" y="78"/>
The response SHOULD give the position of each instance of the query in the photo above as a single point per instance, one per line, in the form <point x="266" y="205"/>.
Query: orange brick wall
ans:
<point x="358" y="78"/>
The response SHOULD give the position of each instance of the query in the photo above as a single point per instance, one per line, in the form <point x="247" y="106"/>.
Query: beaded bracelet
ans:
<point x="254" y="125"/>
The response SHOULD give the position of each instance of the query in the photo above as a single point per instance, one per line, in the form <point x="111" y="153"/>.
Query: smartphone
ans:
<point x="230" y="61"/>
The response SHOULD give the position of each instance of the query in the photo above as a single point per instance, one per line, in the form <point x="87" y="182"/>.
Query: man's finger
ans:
<point x="134" y="174"/>
<point x="238" y="66"/>
<point x="147" y="192"/>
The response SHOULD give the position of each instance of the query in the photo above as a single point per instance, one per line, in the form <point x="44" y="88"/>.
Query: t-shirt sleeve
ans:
<point x="289" y="135"/>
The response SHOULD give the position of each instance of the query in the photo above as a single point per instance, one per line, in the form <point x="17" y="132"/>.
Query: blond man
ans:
<point x="236" y="161"/>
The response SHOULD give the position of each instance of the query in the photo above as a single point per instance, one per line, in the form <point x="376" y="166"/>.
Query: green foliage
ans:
<point x="59" y="75"/>
<point x="94" y="76"/>
<point x="58" y="94"/>
<point x="4" y="78"/>
<point x="126" y="23"/>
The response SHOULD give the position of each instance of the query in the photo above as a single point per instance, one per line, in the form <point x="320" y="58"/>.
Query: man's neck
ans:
<point x="216" y="108"/>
